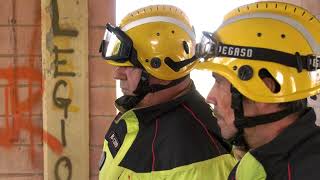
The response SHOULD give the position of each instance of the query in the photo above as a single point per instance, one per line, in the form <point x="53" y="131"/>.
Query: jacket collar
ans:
<point x="149" y="114"/>
<point x="292" y="136"/>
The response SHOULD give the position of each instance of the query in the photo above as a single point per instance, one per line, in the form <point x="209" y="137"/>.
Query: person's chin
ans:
<point x="224" y="130"/>
<point x="226" y="135"/>
<point x="220" y="122"/>
<point x="126" y="92"/>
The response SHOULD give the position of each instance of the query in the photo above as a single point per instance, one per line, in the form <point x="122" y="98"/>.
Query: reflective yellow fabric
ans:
<point x="250" y="169"/>
<point x="213" y="169"/>
<point x="110" y="169"/>
<point x="217" y="168"/>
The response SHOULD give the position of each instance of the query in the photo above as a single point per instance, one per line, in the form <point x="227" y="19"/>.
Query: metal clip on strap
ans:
<point x="313" y="63"/>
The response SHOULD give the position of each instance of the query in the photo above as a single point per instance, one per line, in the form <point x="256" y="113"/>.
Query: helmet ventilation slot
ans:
<point x="264" y="73"/>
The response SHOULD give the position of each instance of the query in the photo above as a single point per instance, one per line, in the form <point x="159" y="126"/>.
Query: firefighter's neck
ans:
<point x="165" y="95"/>
<point x="263" y="134"/>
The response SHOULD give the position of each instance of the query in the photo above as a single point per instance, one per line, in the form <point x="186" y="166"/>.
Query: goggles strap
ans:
<point x="307" y="62"/>
<point x="134" y="59"/>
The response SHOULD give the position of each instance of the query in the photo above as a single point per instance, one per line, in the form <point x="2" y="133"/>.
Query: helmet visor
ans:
<point x="208" y="46"/>
<point x="116" y="45"/>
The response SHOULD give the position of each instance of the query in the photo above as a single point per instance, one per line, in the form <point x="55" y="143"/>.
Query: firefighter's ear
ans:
<point x="271" y="84"/>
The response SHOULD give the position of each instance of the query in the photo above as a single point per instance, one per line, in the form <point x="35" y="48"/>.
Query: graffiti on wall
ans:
<point x="18" y="106"/>
<point x="15" y="108"/>
<point x="18" y="110"/>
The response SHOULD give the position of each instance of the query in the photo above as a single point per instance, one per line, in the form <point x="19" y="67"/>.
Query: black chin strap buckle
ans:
<point x="239" y="140"/>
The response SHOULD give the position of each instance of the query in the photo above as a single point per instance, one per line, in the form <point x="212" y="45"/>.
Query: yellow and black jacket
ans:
<point x="177" y="140"/>
<point x="293" y="155"/>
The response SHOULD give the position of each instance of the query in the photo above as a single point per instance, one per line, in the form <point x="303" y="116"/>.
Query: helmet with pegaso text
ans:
<point x="261" y="40"/>
<point x="274" y="38"/>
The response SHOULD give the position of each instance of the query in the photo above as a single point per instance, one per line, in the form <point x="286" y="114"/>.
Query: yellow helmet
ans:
<point x="157" y="38"/>
<point x="278" y="38"/>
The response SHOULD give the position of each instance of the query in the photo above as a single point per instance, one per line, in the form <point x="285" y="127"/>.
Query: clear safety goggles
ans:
<point x="116" y="45"/>
<point x="208" y="46"/>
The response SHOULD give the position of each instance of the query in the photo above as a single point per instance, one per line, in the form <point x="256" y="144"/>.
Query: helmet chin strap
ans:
<point x="241" y="122"/>
<point x="127" y="102"/>
<point x="237" y="106"/>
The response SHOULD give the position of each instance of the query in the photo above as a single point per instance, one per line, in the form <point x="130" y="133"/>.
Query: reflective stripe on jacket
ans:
<point x="177" y="140"/>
